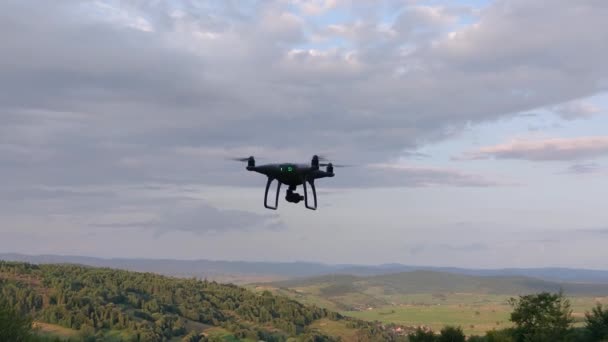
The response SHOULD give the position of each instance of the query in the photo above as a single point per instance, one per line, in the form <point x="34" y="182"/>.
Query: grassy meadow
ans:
<point x="476" y="313"/>
<point x="54" y="330"/>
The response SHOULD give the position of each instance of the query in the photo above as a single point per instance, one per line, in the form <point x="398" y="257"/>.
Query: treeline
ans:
<point x="542" y="317"/>
<point x="150" y="307"/>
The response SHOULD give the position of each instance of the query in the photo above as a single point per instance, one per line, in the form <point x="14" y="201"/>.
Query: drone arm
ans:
<point x="314" y="193"/>
<point x="276" y="199"/>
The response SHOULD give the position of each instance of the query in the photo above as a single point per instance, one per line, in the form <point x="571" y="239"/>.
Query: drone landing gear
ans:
<point x="314" y="193"/>
<point x="276" y="199"/>
<point x="290" y="195"/>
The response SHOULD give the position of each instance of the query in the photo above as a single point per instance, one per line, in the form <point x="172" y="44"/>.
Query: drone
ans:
<point x="292" y="175"/>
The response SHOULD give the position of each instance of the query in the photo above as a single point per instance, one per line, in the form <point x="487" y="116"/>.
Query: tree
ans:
<point x="422" y="335"/>
<point x="451" y="334"/>
<point x="14" y="326"/>
<point x="541" y="317"/>
<point x="505" y="335"/>
<point x="87" y="333"/>
<point x="597" y="323"/>
<point x="192" y="337"/>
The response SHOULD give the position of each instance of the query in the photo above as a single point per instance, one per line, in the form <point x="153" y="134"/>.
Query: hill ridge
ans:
<point x="253" y="271"/>
<point x="425" y="281"/>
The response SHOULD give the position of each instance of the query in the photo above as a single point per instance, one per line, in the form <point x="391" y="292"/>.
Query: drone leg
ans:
<point x="314" y="193"/>
<point x="276" y="200"/>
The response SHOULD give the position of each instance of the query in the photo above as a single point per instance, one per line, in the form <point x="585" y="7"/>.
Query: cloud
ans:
<point x="443" y="248"/>
<point x="159" y="208"/>
<point x="576" y="110"/>
<point x="122" y="89"/>
<point x="42" y="192"/>
<point x="201" y="218"/>
<point x="316" y="7"/>
<point x="414" y="155"/>
<point x="96" y="102"/>
<point x="391" y="175"/>
<point x="584" y="168"/>
<point x="554" y="149"/>
<point x="594" y="231"/>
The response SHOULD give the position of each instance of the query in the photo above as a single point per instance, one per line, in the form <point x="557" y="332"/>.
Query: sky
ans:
<point x="478" y="129"/>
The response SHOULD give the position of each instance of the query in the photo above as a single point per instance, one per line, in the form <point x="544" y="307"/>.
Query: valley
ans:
<point x="431" y="299"/>
<point x="73" y="301"/>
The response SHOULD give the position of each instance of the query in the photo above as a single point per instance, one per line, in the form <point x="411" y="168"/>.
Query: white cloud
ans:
<point x="544" y="149"/>
<point x="315" y="7"/>
<point x="423" y="176"/>
<point x="120" y="15"/>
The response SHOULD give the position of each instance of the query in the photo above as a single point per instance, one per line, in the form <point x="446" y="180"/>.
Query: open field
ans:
<point x="335" y="328"/>
<point x="222" y="333"/>
<point x="54" y="330"/>
<point x="473" y="320"/>
<point x="387" y="299"/>
<point x="476" y="314"/>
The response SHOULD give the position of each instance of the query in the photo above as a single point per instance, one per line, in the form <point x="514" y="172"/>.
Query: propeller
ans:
<point x="324" y="158"/>
<point x="335" y="165"/>
<point x="240" y="159"/>
<point x="249" y="160"/>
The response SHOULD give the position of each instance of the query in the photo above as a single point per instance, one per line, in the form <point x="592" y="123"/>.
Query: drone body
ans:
<point x="292" y="175"/>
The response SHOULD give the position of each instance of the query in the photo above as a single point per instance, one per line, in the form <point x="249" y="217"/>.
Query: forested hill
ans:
<point x="150" y="307"/>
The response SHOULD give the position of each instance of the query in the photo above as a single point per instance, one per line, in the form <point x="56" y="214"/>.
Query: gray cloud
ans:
<point x="576" y="110"/>
<point x="210" y="219"/>
<point x="201" y="218"/>
<point x="442" y="248"/>
<point x="157" y="208"/>
<point x="580" y="148"/>
<point x="391" y="175"/>
<point x="109" y="112"/>
<point x="109" y="94"/>
<point x="584" y="168"/>
<point x="593" y="231"/>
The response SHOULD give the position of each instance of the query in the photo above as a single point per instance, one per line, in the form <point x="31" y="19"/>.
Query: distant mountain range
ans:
<point x="249" y="272"/>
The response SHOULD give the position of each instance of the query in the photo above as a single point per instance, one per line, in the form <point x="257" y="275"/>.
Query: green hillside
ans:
<point x="119" y="305"/>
